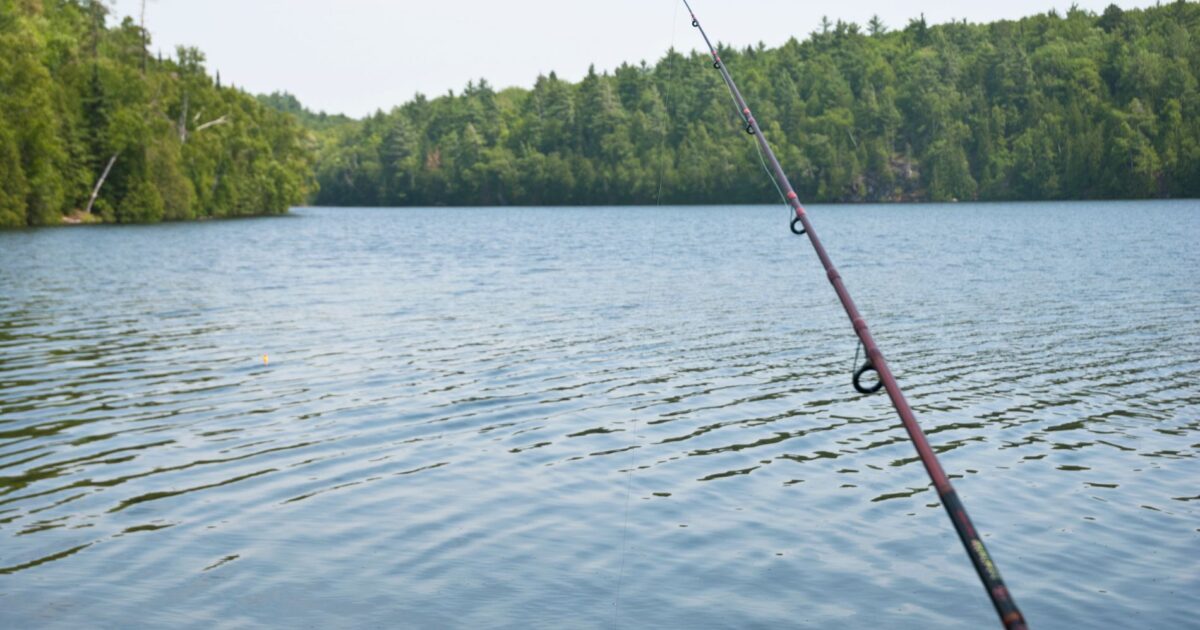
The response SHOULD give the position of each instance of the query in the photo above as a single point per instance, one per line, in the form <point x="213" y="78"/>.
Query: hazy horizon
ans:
<point x="372" y="55"/>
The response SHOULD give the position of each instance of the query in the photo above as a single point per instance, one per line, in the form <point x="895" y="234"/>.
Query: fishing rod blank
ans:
<point x="1010" y="615"/>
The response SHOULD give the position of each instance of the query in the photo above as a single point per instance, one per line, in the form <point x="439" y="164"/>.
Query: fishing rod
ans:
<point x="1010" y="615"/>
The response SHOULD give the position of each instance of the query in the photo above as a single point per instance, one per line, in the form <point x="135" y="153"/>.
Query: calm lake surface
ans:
<point x="599" y="417"/>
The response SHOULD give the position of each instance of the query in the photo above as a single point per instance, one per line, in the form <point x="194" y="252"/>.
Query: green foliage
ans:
<point x="1077" y="106"/>
<point x="35" y="193"/>
<point x="13" y="187"/>
<point x="142" y="204"/>
<point x="289" y="104"/>
<point x="74" y="92"/>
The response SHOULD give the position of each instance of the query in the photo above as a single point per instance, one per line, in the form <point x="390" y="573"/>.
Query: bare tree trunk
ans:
<point x="145" y="42"/>
<point x="212" y="123"/>
<point x="183" y="119"/>
<point x="100" y="183"/>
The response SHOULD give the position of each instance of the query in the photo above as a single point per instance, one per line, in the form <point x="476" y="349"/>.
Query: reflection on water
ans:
<point x="481" y="418"/>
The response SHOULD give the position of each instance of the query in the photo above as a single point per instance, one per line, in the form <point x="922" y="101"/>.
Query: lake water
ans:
<point x="599" y="417"/>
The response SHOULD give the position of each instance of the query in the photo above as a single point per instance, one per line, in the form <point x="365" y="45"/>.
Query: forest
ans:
<point x="95" y="128"/>
<point x="83" y="102"/>
<point x="1074" y="106"/>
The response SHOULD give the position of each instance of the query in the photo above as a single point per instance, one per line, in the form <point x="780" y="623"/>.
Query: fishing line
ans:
<point x="662" y="153"/>
<point x="766" y="169"/>
<point x="761" y="157"/>
<point x="662" y="172"/>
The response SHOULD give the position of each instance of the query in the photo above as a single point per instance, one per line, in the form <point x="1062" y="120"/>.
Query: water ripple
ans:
<point x="449" y="423"/>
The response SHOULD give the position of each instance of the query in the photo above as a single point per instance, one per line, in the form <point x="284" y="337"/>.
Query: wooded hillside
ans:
<point x="1075" y="106"/>
<point x="77" y="96"/>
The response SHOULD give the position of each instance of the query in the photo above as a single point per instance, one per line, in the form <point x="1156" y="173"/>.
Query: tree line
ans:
<point x="1071" y="106"/>
<point x="94" y="128"/>
<point x="1054" y="106"/>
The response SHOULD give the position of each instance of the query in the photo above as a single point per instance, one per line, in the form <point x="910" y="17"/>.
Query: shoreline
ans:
<point x="78" y="219"/>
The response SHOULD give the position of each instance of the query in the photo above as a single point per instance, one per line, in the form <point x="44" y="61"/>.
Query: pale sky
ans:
<point x="356" y="56"/>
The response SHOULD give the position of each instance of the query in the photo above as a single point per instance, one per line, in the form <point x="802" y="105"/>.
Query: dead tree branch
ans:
<point x="100" y="182"/>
